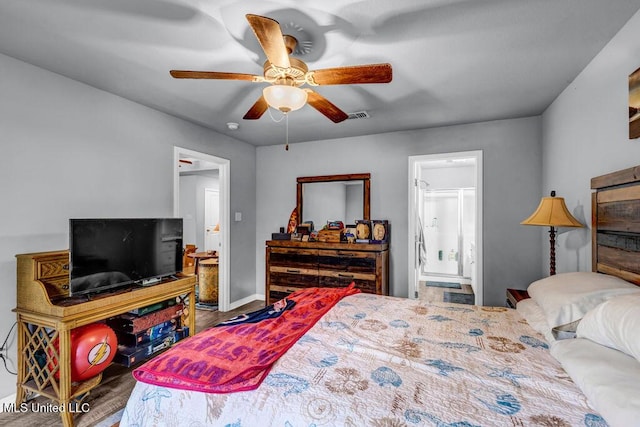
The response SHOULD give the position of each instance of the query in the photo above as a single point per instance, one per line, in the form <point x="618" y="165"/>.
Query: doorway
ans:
<point x="211" y="219"/>
<point x="445" y="225"/>
<point x="449" y="232"/>
<point x="218" y="207"/>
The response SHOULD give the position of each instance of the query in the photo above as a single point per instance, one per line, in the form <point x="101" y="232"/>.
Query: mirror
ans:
<point x="333" y="198"/>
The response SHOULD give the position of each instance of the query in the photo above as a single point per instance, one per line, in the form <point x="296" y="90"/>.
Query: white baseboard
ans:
<point x="245" y="300"/>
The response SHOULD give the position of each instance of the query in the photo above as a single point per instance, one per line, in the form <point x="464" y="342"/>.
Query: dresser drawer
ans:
<point x="47" y="268"/>
<point x="53" y="272"/>
<point x="347" y="261"/>
<point x="57" y="287"/>
<point x="289" y="276"/>
<point x="365" y="282"/>
<point x="283" y="257"/>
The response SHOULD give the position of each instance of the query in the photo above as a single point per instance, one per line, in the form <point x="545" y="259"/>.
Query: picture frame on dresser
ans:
<point x="304" y="229"/>
<point x="363" y="230"/>
<point x="379" y="231"/>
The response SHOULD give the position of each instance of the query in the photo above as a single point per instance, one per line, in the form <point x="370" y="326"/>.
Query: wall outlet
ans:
<point x="238" y="216"/>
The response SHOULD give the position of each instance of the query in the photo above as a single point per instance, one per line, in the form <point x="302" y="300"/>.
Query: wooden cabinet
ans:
<point x="293" y="265"/>
<point x="46" y="316"/>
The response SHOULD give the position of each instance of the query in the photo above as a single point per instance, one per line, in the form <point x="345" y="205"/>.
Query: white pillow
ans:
<point x="609" y="379"/>
<point x="615" y="324"/>
<point x="535" y="317"/>
<point x="567" y="297"/>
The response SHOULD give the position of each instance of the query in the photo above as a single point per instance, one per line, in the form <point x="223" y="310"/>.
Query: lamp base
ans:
<point x="552" y="250"/>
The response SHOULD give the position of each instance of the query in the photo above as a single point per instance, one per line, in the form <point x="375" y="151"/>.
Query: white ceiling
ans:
<point x="454" y="61"/>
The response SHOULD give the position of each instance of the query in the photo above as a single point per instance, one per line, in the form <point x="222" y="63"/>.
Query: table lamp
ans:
<point x="552" y="212"/>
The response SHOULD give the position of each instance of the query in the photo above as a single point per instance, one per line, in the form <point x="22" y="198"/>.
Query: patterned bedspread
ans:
<point x="385" y="361"/>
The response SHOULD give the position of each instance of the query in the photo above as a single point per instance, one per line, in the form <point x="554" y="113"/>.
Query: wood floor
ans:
<point x="206" y="319"/>
<point x="117" y="383"/>
<point x="438" y="294"/>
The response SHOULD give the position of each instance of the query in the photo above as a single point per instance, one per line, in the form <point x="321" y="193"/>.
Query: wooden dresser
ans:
<point x="293" y="265"/>
<point x="46" y="315"/>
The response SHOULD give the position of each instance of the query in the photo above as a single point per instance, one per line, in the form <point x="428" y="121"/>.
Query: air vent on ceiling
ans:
<point x="358" y="115"/>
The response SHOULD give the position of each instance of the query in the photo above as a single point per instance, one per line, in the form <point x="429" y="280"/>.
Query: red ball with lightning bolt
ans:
<point x="93" y="348"/>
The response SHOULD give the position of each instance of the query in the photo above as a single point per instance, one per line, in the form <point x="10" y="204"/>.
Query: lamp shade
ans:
<point x="553" y="212"/>
<point x="285" y="98"/>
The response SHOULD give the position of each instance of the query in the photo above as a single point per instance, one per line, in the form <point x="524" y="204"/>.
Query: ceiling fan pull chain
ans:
<point x="273" y="118"/>
<point x="286" y="147"/>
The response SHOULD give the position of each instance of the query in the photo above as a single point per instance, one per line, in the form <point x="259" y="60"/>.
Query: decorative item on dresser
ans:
<point x="46" y="316"/>
<point x="291" y="266"/>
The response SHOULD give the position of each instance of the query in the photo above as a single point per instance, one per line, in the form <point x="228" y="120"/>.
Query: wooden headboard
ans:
<point x="615" y="221"/>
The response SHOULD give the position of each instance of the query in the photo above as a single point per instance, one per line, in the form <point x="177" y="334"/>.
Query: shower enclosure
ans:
<point x="448" y="226"/>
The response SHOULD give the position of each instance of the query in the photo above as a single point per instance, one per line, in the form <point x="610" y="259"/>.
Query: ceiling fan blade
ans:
<point x="357" y="74"/>
<point x="269" y="35"/>
<point x="257" y="110"/>
<point x="184" y="74"/>
<point x="323" y="105"/>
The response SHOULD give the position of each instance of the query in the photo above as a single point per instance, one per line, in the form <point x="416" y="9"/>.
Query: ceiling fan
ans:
<point x="286" y="75"/>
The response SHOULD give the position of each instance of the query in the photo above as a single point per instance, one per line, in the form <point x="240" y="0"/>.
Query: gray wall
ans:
<point x="586" y="134"/>
<point x="512" y="156"/>
<point x="70" y="150"/>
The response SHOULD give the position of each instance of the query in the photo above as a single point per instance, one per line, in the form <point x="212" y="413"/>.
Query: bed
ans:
<point x="385" y="361"/>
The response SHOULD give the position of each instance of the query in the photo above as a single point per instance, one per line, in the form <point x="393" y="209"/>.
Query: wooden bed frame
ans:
<point x="615" y="220"/>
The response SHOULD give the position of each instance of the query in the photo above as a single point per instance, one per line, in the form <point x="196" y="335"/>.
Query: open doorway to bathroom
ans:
<point x="201" y="198"/>
<point x="445" y="217"/>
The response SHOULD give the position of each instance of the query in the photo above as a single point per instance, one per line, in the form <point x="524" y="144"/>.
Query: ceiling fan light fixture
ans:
<point x="285" y="98"/>
<point x="287" y="74"/>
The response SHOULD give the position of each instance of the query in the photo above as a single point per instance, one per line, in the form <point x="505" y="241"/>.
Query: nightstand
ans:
<point x="514" y="296"/>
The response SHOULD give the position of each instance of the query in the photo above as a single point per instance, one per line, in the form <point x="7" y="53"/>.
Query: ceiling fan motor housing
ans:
<point x="293" y="76"/>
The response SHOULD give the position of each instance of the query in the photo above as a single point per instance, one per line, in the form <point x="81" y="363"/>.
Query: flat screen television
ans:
<point x="115" y="252"/>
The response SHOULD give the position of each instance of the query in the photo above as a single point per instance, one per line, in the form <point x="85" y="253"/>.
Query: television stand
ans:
<point x="46" y="314"/>
<point x="150" y="282"/>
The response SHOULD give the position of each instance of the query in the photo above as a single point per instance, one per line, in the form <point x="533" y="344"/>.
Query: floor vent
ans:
<point x="358" y="115"/>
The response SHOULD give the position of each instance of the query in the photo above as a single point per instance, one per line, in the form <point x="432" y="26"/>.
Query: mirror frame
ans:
<point x="366" y="190"/>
